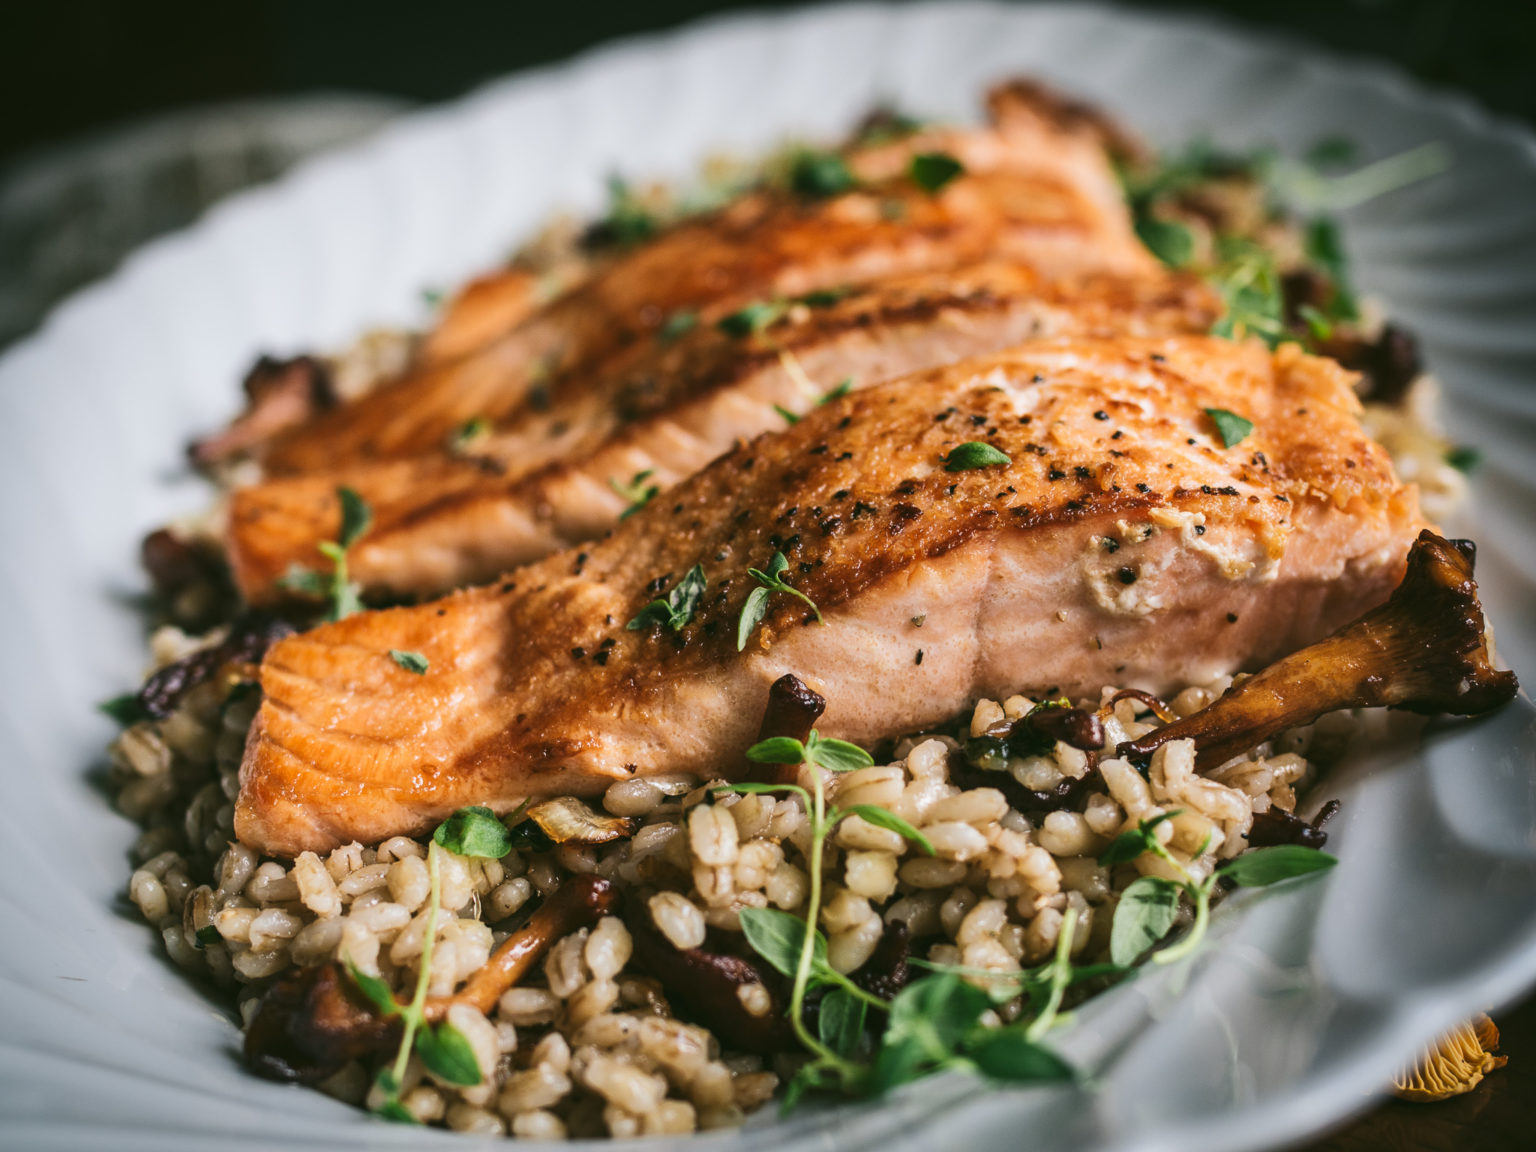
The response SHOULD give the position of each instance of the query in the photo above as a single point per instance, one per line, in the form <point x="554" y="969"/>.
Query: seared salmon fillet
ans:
<point x="550" y="476"/>
<point x="1036" y="189"/>
<point x="1120" y="541"/>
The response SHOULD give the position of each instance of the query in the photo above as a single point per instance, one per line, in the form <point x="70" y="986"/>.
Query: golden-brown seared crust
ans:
<point x="1032" y="193"/>
<point x="536" y="685"/>
<point x="606" y="425"/>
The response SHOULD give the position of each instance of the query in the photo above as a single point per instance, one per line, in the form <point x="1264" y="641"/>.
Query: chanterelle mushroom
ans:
<point x="1424" y="651"/>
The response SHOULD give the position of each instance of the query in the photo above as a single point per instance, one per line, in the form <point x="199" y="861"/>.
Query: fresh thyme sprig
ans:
<point x="1150" y="905"/>
<point x="345" y="596"/>
<point x="756" y="607"/>
<point x="637" y="493"/>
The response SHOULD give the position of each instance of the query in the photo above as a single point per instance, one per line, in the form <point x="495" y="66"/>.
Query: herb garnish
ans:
<point x="679" y="605"/>
<point x="1250" y="288"/>
<point x="974" y="454"/>
<point x="930" y="171"/>
<point x="345" y="596"/>
<point x="442" y="1048"/>
<point x="474" y="831"/>
<point x="753" y="318"/>
<point x="837" y="393"/>
<point x="933" y="1023"/>
<point x="464" y="438"/>
<point x="126" y="709"/>
<point x="677" y="325"/>
<point x="756" y="607"/>
<point x="410" y="661"/>
<point x="637" y="492"/>
<point x="628" y="223"/>
<point x="1148" y="907"/>
<point x="820" y="174"/>
<point x="1171" y="242"/>
<point x="1462" y="458"/>
<point x="1230" y="426"/>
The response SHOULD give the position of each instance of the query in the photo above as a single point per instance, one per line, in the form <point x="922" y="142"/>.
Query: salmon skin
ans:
<point x="1037" y="188"/>
<point x="1122" y="541"/>
<point x="552" y="475"/>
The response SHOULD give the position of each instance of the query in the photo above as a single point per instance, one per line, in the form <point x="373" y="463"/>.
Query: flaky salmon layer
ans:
<point x="551" y="476"/>
<point x="1037" y="189"/>
<point x="1122" y="542"/>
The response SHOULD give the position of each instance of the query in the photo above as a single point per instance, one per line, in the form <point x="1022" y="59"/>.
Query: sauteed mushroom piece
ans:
<point x="1424" y="651"/>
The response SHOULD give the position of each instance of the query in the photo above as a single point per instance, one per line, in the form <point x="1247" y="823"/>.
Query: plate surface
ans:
<point x="1302" y="1005"/>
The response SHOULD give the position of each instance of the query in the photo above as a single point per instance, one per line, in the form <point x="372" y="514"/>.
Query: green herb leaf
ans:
<point x="881" y="818"/>
<point x="125" y="709"/>
<point x="376" y="990"/>
<point x="637" y="492"/>
<point x="391" y="1108"/>
<point x="678" y="325"/>
<point x="1171" y="242"/>
<point x="1232" y="428"/>
<point x="927" y="1021"/>
<point x="356" y="516"/>
<point x="1249" y="284"/>
<point x="304" y="581"/>
<point x="778" y="937"/>
<point x="1134" y="841"/>
<point x="822" y="297"/>
<point x="756" y="607"/>
<point x="752" y="613"/>
<point x="1319" y="326"/>
<point x="628" y="222"/>
<point x="447" y="1054"/>
<point x="1144" y="916"/>
<point x="974" y="454"/>
<point x="474" y="832"/>
<point x="777" y="750"/>
<point x="836" y="755"/>
<point x="410" y="661"/>
<point x="1261" y="867"/>
<point x="679" y="606"/>
<point x="1007" y="1054"/>
<point x="1463" y="458"/>
<point x="755" y="317"/>
<point x="820" y="174"/>
<point x="789" y="417"/>
<point x="842" y="389"/>
<point x="1325" y="248"/>
<point x="1332" y="152"/>
<point x="930" y="171"/>
<point x="841" y="1021"/>
<point x="466" y="435"/>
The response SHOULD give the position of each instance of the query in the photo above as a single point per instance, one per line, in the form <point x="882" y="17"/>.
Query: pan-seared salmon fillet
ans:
<point x="1120" y="541"/>
<point x="550" y="477"/>
<point x="1036" y="189"/>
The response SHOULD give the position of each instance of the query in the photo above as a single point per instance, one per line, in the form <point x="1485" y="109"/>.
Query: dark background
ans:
<point x="68" y="66"/>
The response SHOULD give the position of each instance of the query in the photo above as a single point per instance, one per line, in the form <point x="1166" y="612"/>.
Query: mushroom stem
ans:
<point x="1423" y="651"/>
<point x="792" y="710"/>
<point x="578" y="902"/>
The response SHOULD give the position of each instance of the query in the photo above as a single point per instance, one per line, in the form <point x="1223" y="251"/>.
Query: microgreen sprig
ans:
<point x="1149" y="906"/>
<point x="344" y="595"/>
<point x="443" y="1048"/>
<point x="756" y="607"/>
<point x="679" y="605"/>
<point x="934" y="1022"/>
<point x="637" y="493"/>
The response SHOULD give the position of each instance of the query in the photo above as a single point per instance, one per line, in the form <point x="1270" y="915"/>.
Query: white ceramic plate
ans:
<point x="1306" y="1000"/>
